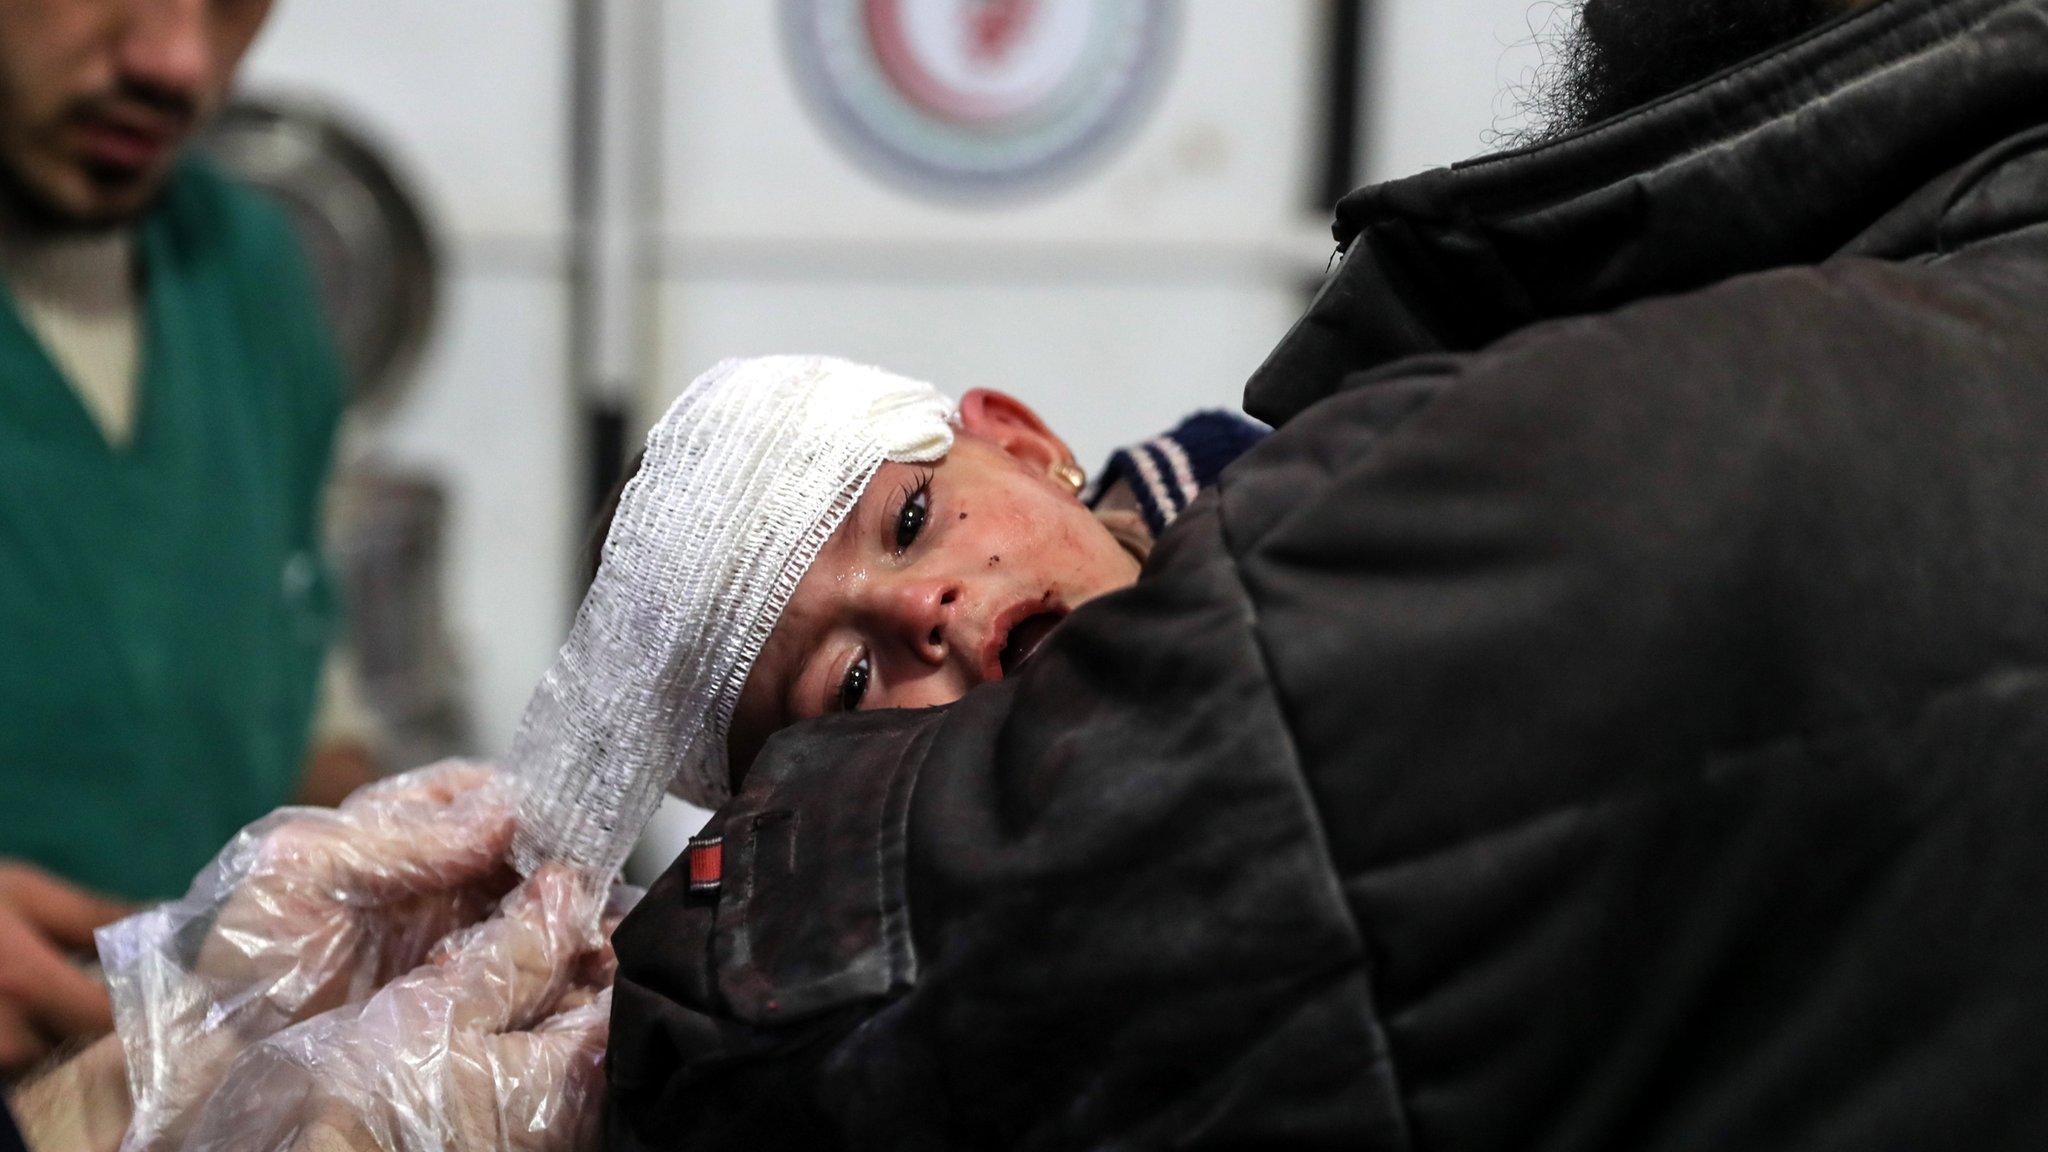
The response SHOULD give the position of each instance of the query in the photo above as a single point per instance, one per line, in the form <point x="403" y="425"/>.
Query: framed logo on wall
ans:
<point x="979" y="98"/>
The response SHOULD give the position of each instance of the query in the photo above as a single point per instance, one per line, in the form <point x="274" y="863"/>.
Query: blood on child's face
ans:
<point x="942" y="578"/>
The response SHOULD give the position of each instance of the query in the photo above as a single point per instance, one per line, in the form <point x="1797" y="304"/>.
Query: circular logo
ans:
<point x="978" y="95"/>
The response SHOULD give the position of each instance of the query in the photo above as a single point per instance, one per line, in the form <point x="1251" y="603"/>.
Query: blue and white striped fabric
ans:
<point x="1167" y="472"/>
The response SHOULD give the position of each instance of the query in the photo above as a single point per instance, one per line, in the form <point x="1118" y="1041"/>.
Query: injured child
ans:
<point x="806" y="536"/>
<point x="802" y="536"/>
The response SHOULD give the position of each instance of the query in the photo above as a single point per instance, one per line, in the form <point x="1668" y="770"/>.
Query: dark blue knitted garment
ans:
<point x="1167" y="472"/>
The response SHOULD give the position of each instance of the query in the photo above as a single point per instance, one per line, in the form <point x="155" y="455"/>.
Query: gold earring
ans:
<point x="1069" y="473"/>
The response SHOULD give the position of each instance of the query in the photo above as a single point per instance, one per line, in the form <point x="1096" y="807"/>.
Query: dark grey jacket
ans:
<point x="1610" y="713"/>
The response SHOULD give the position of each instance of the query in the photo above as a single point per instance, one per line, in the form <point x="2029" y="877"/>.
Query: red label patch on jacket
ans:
<point x="707" y="864"/>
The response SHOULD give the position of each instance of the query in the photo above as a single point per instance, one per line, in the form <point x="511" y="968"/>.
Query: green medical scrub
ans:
<point x="164" y="607"/>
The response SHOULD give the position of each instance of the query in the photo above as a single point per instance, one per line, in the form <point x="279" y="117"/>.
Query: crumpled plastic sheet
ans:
<point x="338" y="963"/>
<point x="496" y="1048"/>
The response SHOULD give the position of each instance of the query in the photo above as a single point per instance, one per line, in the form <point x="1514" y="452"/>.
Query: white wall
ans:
<point x="1445" y="77"/>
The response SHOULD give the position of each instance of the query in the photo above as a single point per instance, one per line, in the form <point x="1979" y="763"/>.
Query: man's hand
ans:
<point x="306" y="910"/>
<point x="80" y="1105"/>
<point x="334" y="904"/>
<point x="45" y="999"/>
<point x="334" y="771"/>
<point x="496" y="1045"/>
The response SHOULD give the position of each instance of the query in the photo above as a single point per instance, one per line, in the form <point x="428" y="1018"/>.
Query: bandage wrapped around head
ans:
<point x="745" y="478"/>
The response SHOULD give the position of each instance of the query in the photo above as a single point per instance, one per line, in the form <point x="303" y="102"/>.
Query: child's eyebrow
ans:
<point x="796" y="660"/>
<point x="864" y="527"/>
<point x="789" y="710"/>
<point x="858" y="523"/>
<point x="861" y="519"/>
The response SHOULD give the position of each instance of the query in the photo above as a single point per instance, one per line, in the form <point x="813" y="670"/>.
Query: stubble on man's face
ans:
<point x="98" y="97"/>
<point x="1615" y="55"/>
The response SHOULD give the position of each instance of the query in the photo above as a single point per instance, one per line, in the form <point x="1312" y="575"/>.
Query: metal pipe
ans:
<point x="614" y="184"/>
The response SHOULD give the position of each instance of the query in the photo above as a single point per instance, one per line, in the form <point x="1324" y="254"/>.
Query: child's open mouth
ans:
<point x="1025" y="638"/>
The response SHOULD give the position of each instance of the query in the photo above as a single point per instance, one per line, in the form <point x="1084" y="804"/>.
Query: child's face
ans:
<point x="942" y="577"/>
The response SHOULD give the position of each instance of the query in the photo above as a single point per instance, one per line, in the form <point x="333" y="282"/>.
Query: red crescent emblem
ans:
<point x="994" y="25"/>
<point x="989" y="30"/>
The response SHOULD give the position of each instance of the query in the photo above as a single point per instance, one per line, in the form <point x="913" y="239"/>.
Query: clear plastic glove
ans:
<point x="497" y="1045"/>
<point x="305" y="910"/>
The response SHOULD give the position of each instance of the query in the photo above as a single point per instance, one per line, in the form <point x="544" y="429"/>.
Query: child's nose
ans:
<point x="921" y="613"/>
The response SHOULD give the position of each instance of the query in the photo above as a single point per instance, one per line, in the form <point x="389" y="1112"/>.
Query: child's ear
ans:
<point x="1011" y="425"/>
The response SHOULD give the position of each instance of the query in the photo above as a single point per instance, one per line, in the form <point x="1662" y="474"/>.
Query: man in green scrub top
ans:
<point x="168" y="402"/>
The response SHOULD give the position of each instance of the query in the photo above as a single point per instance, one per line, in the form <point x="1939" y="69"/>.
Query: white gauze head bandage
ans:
<point x="749" y="473"/>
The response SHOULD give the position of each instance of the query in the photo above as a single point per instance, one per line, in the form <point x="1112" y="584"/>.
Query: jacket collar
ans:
<point x="1849" y="140"/>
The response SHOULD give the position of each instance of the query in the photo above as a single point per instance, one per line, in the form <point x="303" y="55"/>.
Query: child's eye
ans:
<point x="854" y="685"/>
<point x="910" y="518"/>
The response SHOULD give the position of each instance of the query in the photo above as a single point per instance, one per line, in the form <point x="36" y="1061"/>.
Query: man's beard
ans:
<point x="1614" y="55"/>
<point x="26" y="203"/>
<point x="24" y="206"/>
